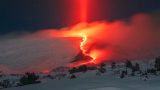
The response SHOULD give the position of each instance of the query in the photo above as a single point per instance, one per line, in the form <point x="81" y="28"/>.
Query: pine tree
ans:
<point x="29" y="78"/>
<point x="113" y="65"/>
<point x="128" y="64"/>
<point x="157" y="63"/>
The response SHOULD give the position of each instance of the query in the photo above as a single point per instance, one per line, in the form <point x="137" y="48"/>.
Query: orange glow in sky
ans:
<point x="83" y="10"/>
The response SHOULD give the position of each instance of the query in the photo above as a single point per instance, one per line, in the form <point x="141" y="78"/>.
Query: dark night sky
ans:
<point x="32" y="15"/>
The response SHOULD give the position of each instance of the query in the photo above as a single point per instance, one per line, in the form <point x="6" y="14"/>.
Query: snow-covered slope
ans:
<point x="34" y="54"/>
<point x="105" y="82"/>
<point x="91" y="81"/>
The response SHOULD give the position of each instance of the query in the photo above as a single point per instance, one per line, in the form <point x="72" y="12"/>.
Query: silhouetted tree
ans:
<point x="123" y="73"/>
<point x="92" y="68"/>
<point x="5" y="83"/>
<point x="128" y="64"/>
<point x="73" y="70"/>
<point x="113" y="65"/>
<point x="102" y="65"/>
<point x="144" y="76"/>
<point x="135" y="68"/>
<point x="157" y="63"/>
<point x="29" y="78"/>
<point x="102" y="68"/>
<point x="152" y="71"/>
<point x="72" y="76"/>
<point x="82" y="68"/>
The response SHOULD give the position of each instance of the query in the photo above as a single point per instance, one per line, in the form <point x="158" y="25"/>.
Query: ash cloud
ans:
<point x="136" y="39"/>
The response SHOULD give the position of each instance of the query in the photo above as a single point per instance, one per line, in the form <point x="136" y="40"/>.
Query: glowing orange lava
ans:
<point x="88" y="46"/>
<point x="84" y="51"/>
<point x="85" y="30"/>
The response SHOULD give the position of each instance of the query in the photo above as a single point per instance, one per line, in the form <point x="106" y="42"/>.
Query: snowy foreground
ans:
<point x="91" y="81"/>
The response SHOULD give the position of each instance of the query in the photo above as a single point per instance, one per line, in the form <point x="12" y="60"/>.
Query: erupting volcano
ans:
<point x="85" y="55"/>
<point x="90" y="47"/>
<point x="101" y="41"/>
<point x="47" y="34"/>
